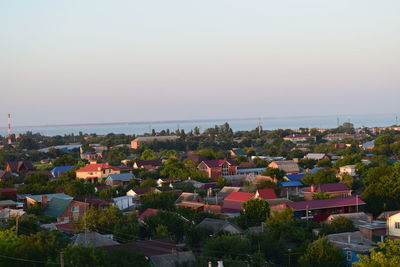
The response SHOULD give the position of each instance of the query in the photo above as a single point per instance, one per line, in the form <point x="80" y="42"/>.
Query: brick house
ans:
<point x="8" y="192"/>
<point x="218" y="168"/>
<point x="96" y="171"/>
<point x="65" y="210"/>
<point x="338" y="190"/>
<point x="20" y="167"/>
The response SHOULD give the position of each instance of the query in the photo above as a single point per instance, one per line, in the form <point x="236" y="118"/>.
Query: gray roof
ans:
<point x="192" y="197"/>
<point x="227" y="190"/>
<point x="315" y="156"/>
<point x="357" y="242"/>
<point x="287" y="165"/>
<point x="6" y="203"/>
<point x="92" y="239"/>
<point x="170" y="260"/>
<point x="124" y="177"/>
<point x="217" y="225"/>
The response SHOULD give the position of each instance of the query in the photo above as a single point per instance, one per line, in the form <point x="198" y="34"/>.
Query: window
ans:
<point x="349" y="255"/>
<point x="75" y="209"/>
<point x="225" y="170"/>
<point x="397" y="225"/>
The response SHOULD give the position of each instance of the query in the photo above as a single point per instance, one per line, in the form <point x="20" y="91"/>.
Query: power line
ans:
<point x="26" y="260"/>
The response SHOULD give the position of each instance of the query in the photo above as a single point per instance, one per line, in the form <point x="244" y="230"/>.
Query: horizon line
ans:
<point x="92" y="124"/>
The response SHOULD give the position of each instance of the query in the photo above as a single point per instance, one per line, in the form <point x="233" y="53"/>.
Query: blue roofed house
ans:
<point x="119" y="179"/>
<point x="292" y="184"/>
<point x="294" y="177"/>
<point x="59" y="170"/>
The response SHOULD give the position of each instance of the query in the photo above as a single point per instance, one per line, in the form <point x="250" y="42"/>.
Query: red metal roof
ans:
<point x="267" y="193"/>
<point x="233" y="202"/>
<point x="96" y="167"/>
<point x="325" y="203"/>
<point x="326" y="188"/>
<point x="239" y="196"/>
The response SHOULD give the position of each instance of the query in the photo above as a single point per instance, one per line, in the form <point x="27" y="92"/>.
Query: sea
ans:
<point x="267" y="123"/>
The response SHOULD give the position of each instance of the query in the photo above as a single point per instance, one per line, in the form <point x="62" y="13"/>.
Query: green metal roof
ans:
<point x="56" y="207"/>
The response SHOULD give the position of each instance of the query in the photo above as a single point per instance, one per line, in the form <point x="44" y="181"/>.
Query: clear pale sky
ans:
<point x="108" y="61"/>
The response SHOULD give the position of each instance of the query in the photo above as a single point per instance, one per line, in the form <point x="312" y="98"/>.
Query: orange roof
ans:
<point x="96" y="167"/>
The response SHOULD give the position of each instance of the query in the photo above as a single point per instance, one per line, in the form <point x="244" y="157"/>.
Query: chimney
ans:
<point x="370" y="217"/>
<point x="348" y="239"/>
<point x="44" y="201"/>
<point x="312" y="188"/>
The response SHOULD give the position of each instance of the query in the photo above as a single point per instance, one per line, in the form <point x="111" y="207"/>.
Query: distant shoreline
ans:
<point x="188" y="121"/>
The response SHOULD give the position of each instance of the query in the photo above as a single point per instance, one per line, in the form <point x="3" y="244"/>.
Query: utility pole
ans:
<point x="85" y="224"/>
<point x="16" y="225"/>
<point x="9" y="129"/>
<point x="62" y="259"/>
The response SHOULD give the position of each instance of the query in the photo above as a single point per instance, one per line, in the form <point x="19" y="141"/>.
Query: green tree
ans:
<point x="322" y="253"/>
<point x="254" y="211"/>
<point x="164" y="200"/>
<point x="382" y="188"/>
<point x="338" y="225"/>
<point x="320" y="177"/>
<point x="347" y="180"/>
<point x="166" y="223"/>
<point x="274" y="173"/>
<point x="78" y="256"/>
<point x="387" y="255"/>
<point x="148" y="183"/>
<point x="320" y="195"/>
<point x="227" y="246"/>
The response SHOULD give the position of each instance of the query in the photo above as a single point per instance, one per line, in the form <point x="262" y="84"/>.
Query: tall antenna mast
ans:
<point x="9" y="129"/>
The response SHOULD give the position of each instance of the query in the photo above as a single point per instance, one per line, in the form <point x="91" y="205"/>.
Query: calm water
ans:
<point x="236" y="124"/>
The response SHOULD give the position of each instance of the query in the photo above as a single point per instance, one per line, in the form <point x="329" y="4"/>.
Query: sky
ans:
<point x="99" y="61"/>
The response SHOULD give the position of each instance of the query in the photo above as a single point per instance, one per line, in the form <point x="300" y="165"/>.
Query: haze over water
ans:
<point x="268" y="123"/>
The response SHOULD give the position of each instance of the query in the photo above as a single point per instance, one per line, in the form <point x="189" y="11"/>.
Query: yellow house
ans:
<point x="95" y="171"/>
<point x="393" y="226"/>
